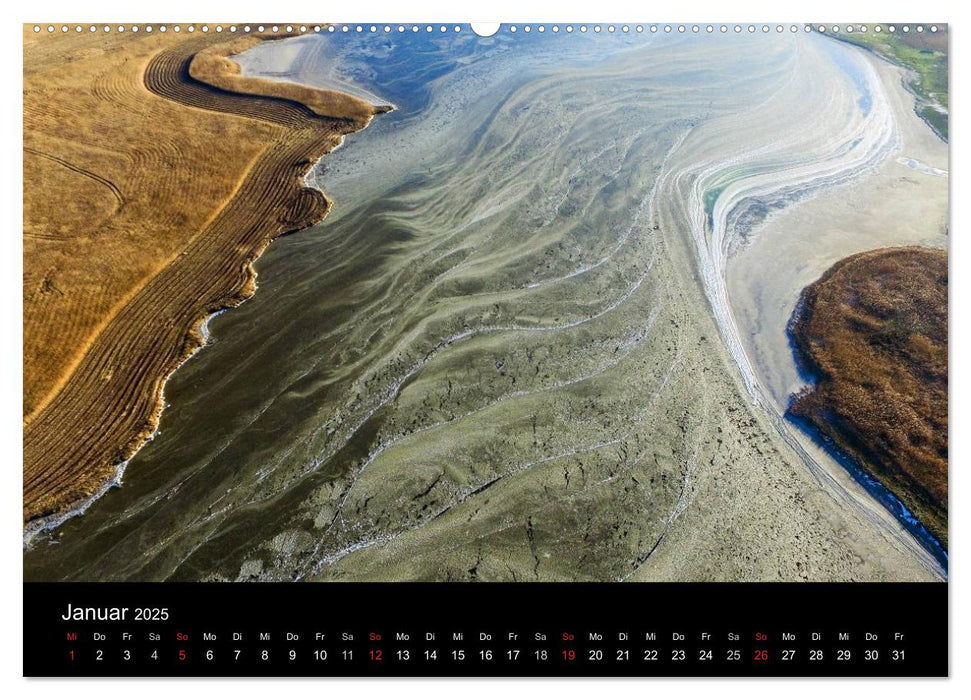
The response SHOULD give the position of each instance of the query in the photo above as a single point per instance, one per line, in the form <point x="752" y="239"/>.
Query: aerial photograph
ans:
<point x="543" y="302"/>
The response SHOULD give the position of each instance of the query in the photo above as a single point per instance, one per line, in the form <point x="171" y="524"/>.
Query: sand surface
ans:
<point x="902" y="202"/>
<point x="505" y="356"/>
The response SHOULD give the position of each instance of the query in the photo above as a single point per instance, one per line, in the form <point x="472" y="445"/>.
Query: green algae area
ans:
<point x="926" y="54"/>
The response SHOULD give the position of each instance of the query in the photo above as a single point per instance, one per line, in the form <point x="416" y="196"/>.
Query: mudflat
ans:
<point x="148" y="194"/>
<point x="504" y="355"/>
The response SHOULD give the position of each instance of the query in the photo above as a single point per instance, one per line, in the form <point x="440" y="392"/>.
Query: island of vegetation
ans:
<point x="873" y="334"/>
<point x="154" y="175"/>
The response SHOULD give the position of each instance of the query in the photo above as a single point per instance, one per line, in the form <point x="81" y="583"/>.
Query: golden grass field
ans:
<point x="873" y="329"/>
<point x="154" y="175"/>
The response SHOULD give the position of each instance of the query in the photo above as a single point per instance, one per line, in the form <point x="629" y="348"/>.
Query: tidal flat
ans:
<point x="509" y="352"/>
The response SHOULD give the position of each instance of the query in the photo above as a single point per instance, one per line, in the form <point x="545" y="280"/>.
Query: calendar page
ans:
<point x="519" y="349"/>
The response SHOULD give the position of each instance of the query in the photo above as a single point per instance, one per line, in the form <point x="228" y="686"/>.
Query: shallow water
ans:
<point x="492" y="306"/>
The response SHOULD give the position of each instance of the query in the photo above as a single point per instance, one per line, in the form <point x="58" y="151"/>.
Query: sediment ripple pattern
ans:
<point x="727" y="191"/>
<point x="497" y="358"/>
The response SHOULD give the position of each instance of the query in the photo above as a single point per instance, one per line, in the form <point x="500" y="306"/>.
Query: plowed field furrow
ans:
<point x="116" y="193"/>
<point x="168" y="75"/>
<point x="112" y="400"/>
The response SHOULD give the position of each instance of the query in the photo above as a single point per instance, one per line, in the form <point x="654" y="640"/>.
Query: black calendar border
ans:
<point x="919" y="609"/>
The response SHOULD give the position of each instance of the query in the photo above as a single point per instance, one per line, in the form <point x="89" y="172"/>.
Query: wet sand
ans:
<point x="499" y="359"/>
<point x="903" y="201"/>
<point x="898" y="204"/>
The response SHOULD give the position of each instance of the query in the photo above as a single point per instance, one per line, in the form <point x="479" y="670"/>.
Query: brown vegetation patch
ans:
<point x="147" y="196"/>
<point x="873" y="330"/>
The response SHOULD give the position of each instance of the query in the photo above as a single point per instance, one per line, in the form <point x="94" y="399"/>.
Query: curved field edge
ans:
<point x="872" y="334"/>
<point x="214" y="66"/>
<point x="112" y="402"/>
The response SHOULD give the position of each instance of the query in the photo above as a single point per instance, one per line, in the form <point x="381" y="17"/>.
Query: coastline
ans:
<point x="598" y="403"/>
<point x="793" y="233"/>
<point x="58" y="482"/>
<point x="877" y="490"/>
<point x="898" y="488"/>
<point x="924" y="101"/>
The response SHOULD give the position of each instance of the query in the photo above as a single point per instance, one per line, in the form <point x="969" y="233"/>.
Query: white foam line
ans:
<point x="845" y="163"/>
